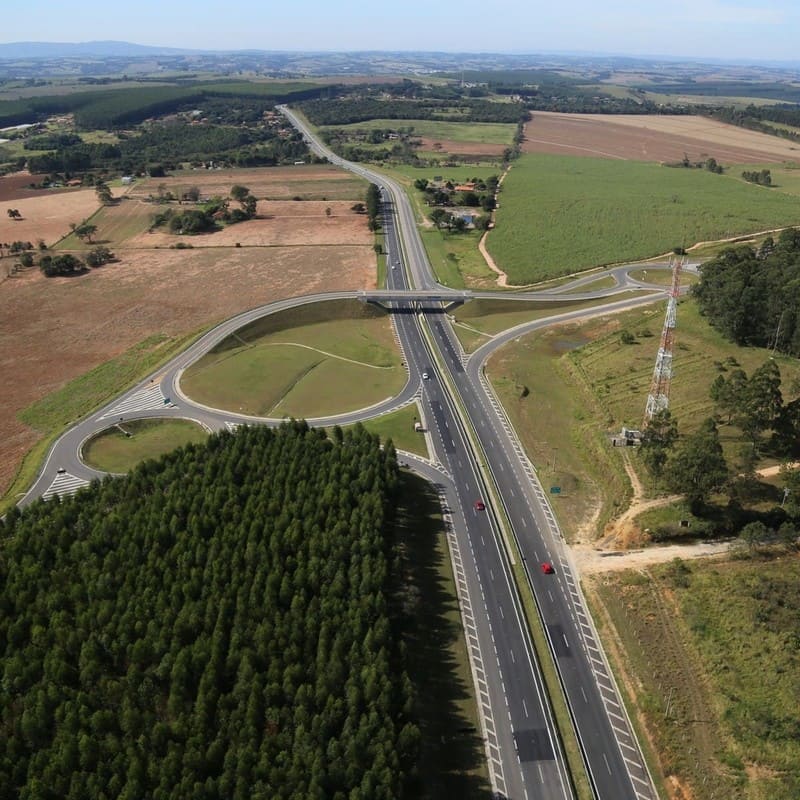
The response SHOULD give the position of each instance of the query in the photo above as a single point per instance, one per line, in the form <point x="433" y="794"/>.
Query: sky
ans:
<point x="755" y="30"/>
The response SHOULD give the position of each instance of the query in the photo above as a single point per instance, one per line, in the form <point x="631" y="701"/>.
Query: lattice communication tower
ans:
<point x="658" y="399"/>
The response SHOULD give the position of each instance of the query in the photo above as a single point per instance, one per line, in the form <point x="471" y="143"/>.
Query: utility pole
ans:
<point x="777" y="332"/>
<point x="658" y="399"/>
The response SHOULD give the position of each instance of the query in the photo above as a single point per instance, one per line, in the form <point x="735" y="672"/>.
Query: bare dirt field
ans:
<point x="56" y="329"/>
<point x="461" y="148"/>
<point x="46" y="216"/>
<point x="281" y="222"/>
<point x="302" y="180"/>
<point x="16" y="186"/>
<point x="652" y="138"/>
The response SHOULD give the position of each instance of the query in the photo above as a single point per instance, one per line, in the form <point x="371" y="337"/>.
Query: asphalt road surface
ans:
<point x="523" y="750"/>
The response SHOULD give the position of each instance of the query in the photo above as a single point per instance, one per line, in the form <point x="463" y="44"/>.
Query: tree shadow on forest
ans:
<point x="452" y="760"/>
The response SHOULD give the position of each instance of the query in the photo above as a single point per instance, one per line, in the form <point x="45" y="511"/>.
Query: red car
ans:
<point x="479" y="505"/>
<point x="547" y="568"/>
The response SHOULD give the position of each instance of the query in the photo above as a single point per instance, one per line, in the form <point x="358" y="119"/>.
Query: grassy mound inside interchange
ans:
<point x="311" y="361"/>
<point x="120" y="448"/>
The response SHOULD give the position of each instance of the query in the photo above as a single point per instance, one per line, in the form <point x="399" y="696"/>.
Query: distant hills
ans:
<point x="82" y="60"/>
<point x="108" y="49"/>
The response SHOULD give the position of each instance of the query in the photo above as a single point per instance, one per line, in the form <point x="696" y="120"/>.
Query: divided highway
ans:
<point x="523" y="750"/>
<point x="611" y="754"/>
<point x="465" y="426"/>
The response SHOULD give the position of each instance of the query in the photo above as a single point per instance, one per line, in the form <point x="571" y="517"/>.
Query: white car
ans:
<point x="425" y="376"/>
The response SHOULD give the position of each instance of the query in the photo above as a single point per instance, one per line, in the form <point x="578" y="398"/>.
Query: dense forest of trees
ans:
<point x="118" y="108"/>
<point x="214" y="625"/>
<point x="757" y="118"/>
<point x="171" y="144"/>
<point x="454" y="103"/>
<point x="572" y="100"/>
<point x="753" y="296"/>
<point x="762" y="415"/>
<point x="346" y="110"/>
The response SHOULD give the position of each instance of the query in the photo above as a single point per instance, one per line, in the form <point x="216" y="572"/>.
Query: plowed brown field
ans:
<point x="652" y="138"/>
<point x="309" y="181"/>
<point x="17" y="186"/>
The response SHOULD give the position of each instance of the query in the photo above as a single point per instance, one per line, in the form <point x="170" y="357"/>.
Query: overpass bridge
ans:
<point x="415" y="299"/>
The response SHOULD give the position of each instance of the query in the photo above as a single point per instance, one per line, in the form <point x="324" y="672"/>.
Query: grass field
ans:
<point x="561" y="428"/>
<point x="452" y="761"/>
<point x="115" y="225"/>
<point x="785" y="178"/>
<point x="87" y="392"/>
<point x="710" y="651"/>
<point x="559" y="214"/>
<point x="307" y="363"/>
<point x="11" y="149"/>
<point x="779" y="126"/>
<point x="701" y="99"/>
<point x="100" y="137"/>
<point x="619" y="374"/>
<point x="121" y="448"/>
<point x="399" y="427"/>
<point x="602" y="282"/>
<point x="483" y="132"/>
<point x="567" y="388"/>
<point x="407" y="175"/>
<point x="455" y="258"/>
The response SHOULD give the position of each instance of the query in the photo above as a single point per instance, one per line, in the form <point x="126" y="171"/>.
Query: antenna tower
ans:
<point x="658" y="399"/>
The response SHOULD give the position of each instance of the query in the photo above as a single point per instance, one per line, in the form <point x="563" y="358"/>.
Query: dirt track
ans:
<point x="589" y="559"/>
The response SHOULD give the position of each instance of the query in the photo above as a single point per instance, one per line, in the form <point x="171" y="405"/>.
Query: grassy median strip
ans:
<point x="558" y="701"/>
